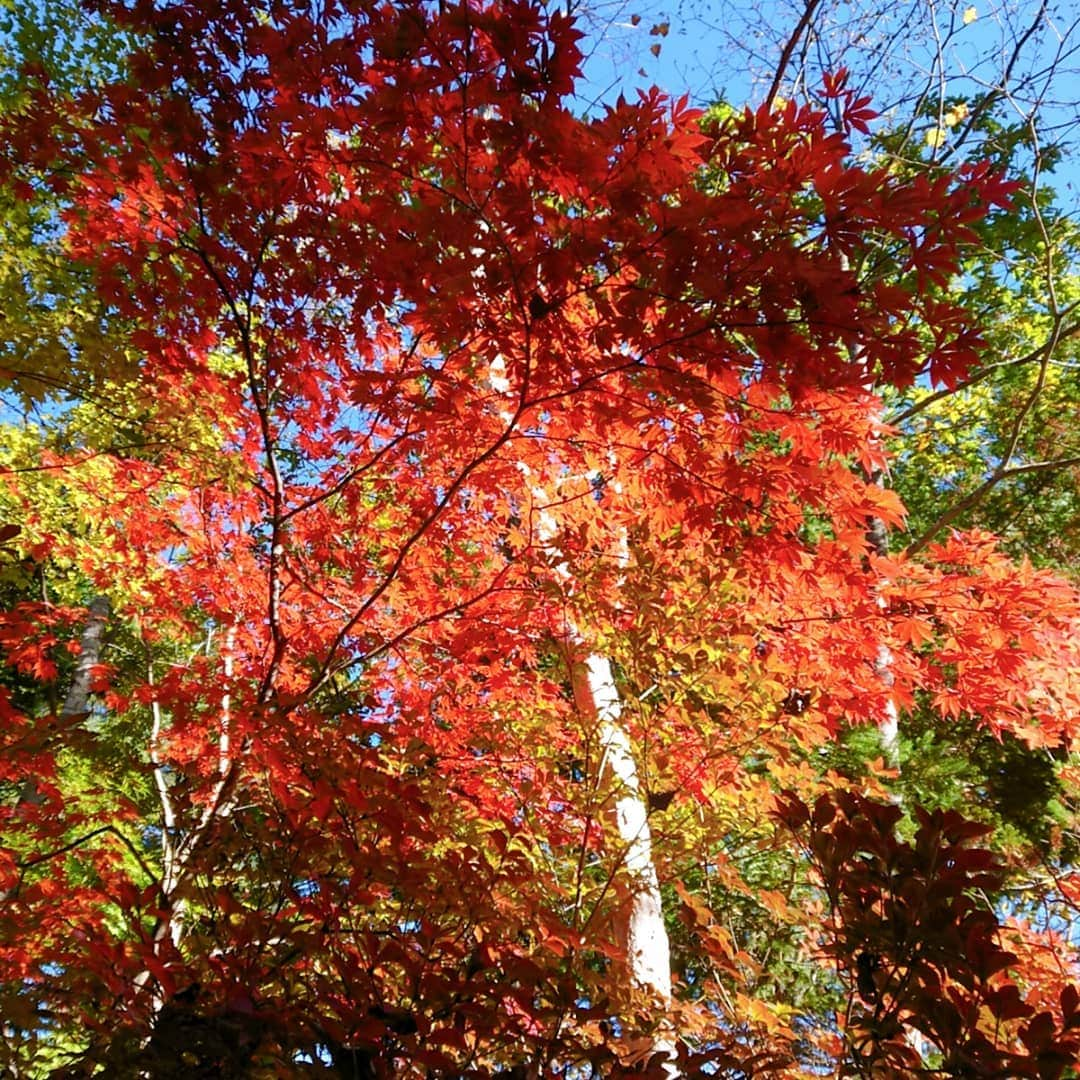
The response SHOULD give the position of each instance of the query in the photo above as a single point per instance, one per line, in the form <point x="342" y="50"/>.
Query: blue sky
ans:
<point x="731" y="46"/>
<point x="955" y="49"/>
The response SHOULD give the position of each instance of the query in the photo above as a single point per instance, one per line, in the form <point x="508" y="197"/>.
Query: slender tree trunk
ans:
<point x="889" y="721"/>
<point x="640" y="917"/>
<point x="177" y="851"/>
<point x="90" y="643"/>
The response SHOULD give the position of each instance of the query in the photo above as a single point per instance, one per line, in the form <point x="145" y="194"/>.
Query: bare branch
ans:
<point x="789" y="49"/>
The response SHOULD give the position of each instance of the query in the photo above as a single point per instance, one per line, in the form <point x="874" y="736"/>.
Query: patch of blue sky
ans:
<point x="723" y="50"/>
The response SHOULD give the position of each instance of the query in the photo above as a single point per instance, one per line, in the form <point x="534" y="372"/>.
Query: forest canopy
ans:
<point x="495" y="587"/>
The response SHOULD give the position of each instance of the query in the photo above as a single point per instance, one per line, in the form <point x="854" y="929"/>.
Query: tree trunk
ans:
<point x="639" y="916"/>
<point x="889" y="721"/>
<point x="90" y="644"/>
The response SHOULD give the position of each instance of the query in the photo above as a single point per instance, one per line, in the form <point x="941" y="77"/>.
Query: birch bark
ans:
<point x="640" y="925"/>
<point x="90" y="644"/>
<point x="177" y="851"/>
<point x="889" y="721"/>
<point x="640" y="916"/>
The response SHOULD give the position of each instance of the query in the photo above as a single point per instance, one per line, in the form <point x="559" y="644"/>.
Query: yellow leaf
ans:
<point x="970" y="15"/>
<point x="956" y="114"/>
<point x="935" y="137"/>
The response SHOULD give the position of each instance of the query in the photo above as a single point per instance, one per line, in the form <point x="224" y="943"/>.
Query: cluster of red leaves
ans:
<point x="474" y="370"/>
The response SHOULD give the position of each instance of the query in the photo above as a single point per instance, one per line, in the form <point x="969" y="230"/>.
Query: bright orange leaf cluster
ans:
<point x="475" y="379"/>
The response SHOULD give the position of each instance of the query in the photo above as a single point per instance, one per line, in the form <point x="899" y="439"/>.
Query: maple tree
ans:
<point x="994" y="451"/>
<point x="955" y="82"/>
<point x="486" y="568"/>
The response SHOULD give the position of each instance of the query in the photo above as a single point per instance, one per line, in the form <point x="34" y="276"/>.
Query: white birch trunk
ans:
<point x="77" y="701"/>
<point x="640" y="918"/>
<point x="648" y="953"/>
<point x="640" y="925"/>
<point x="889" y="721"/>
<point x="177" y="852"/>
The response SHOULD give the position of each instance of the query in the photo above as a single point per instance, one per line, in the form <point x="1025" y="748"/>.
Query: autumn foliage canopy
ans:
<point x="418" y="391"/>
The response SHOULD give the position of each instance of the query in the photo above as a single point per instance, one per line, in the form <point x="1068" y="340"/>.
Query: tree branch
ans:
<point x="789" y="50"/>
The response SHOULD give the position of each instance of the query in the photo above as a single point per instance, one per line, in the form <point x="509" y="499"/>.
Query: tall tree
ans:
<point x="994" y="450"/>
<point x="964" y="82"/>
<point x="503" y="505"/>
